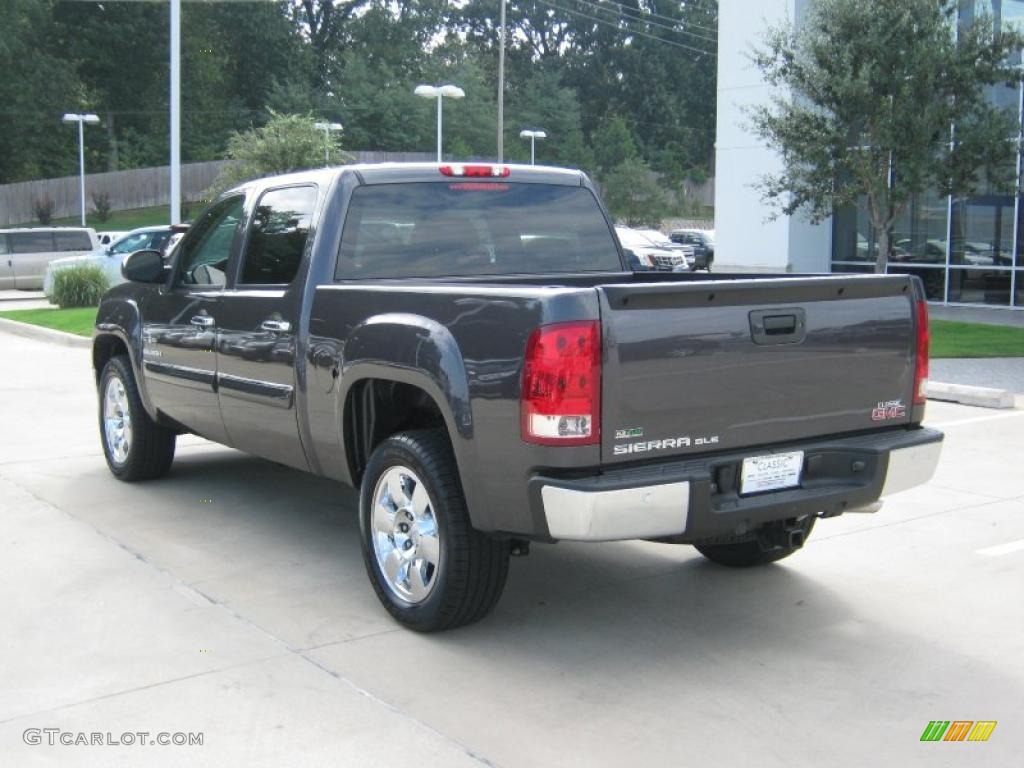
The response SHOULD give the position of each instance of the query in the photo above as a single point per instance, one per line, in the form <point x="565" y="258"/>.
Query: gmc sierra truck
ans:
<point x="465" y="344"/>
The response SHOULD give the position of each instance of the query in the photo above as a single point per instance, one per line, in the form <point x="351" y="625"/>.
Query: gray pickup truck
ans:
<point x="465" y="345"/>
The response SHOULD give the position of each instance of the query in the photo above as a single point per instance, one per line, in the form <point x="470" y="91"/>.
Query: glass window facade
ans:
<point x="965" y="250"/>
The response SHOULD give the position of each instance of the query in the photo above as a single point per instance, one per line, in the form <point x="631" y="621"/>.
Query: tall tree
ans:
<point x="38" y="85"/>
<point x="887" y="100"/>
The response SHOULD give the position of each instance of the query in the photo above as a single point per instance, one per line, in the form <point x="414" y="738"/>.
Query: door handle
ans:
<point x="203" y="321"/>
<point x="276" y="326"/>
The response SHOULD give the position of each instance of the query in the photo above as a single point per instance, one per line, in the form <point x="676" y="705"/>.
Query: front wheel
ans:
<point x="429" y="567"/>
<point x="135" y="446"/>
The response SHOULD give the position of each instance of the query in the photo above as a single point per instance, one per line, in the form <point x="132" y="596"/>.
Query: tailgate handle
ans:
<point x="778" y="326"/>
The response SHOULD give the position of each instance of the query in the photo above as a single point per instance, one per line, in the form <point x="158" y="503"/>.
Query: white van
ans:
<point x="24" y="253"/>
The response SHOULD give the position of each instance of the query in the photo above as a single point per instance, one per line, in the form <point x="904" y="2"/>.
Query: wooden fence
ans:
<point x="137" y="188"/>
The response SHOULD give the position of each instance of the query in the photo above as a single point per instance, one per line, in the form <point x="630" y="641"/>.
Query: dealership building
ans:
<point x="966" y="250"/>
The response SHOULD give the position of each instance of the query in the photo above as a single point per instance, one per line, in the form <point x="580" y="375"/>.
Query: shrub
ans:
<point x="79" y="286"/>
<point x="101" y="205"/>
<point x="43" y="209"/>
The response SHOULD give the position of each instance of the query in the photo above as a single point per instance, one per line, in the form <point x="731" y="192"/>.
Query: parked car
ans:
<point x="703" y="243"/>
<point x="655" y="251"/>
<point x="109" y="258"/>
<point x="489" y="373"/>
<point x="109" y="238"/>
<point x="25" y="253"/>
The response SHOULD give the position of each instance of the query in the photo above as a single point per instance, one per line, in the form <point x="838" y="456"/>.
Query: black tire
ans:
<point x="744" y="554"/>
<point x="472" y="568"/>
<point x="150" y="449"/>
<point x="707" y="265"/>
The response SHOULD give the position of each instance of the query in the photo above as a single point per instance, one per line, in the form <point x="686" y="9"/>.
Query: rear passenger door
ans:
<point x="256" y="336"/>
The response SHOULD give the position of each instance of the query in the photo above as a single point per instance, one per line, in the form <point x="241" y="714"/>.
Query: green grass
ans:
<point x="78" y="321"/>
<point x="954" y="339"/>
<point x="122" y="220"/>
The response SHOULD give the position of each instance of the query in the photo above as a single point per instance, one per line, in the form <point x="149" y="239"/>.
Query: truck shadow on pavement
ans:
<point x="593" y="622"/>
<point x="245" y="530"/>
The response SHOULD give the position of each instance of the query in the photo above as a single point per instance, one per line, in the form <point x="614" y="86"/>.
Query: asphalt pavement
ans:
<point x="229" y="599"/>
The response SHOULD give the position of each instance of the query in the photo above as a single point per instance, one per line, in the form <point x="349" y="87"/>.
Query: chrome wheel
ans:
<point x="117" y="420"/>
<point x="405" y="535"/>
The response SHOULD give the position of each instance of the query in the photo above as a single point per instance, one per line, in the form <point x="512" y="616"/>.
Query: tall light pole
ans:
<point x="439" y="92"/>
<point x="91" y="119"/>
<point x="327" y="128"/>
<point x="532" y="136"/>
<point x="175" y="111"/>
<point x="501" y="86"/>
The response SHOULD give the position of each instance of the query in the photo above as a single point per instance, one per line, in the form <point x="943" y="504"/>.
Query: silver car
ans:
<point x="109" y="258"/>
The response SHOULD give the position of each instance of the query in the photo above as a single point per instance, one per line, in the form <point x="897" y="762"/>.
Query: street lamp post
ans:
<point x="91" y="119"/>
<point x="327" y="128"/>
<point x="532" y="136"/>
<point x="439" y="92"/>
<point x="175" y="111"/>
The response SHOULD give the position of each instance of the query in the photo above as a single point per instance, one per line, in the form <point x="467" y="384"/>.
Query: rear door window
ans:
<point x="31" y="242"/>
<point x="72" y="241"/>
<point x="466" y="228"/>
<point x="277" y="237"/>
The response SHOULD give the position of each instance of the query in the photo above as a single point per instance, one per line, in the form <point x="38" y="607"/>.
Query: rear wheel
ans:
<point x="135" y="446"/>
<point x="772" y="543"/>
<point x="430" y="569"/>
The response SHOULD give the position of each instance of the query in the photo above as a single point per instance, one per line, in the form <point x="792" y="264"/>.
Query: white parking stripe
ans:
<point x="975" y="420"/>
<point x="1003" y="549"/>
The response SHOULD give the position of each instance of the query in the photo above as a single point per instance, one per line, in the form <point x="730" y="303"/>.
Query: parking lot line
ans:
<point x="1003" y="549"/>
<point x="975" y="420"/>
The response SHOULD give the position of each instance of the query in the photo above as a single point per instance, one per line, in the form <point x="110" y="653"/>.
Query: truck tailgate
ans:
<point x="719" y="365"/>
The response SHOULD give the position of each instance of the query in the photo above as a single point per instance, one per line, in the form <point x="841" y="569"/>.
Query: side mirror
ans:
<point x="144" y="267"/>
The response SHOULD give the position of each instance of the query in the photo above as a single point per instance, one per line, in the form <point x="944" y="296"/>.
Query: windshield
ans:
<point x="463" y="228"/>
<point x="132" y="243"/>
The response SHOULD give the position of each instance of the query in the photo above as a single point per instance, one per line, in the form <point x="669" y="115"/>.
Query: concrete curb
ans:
<point x="965" y="394"/>
<point x="40" y="333"/>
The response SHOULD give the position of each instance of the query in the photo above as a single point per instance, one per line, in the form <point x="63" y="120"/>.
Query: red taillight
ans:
<point x="921" y="359"/>
<point x="561" y="397"/>
<point x="476" y="171"/>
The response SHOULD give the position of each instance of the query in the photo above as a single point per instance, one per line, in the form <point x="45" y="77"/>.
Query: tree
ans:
<point x="634" y="196"/>
<point x="613" y="144"/>
<point x="286" y="143"/>
<point x="873" y="88"/>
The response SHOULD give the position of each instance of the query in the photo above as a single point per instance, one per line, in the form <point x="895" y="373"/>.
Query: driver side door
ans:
<point x="179" y="331"/>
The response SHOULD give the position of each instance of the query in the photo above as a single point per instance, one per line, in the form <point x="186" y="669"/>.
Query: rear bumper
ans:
<point x="697" y="499"/>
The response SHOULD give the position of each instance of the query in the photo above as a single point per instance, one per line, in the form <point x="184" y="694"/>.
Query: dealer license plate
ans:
<point x="771" y="472"/>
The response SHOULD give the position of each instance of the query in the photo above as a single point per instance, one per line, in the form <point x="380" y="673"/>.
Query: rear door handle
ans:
<point x="203" y="321"/>
<point x="276" y="326"/>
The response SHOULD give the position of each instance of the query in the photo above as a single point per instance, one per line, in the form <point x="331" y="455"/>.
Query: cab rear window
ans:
<point x="467" y="228"/>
